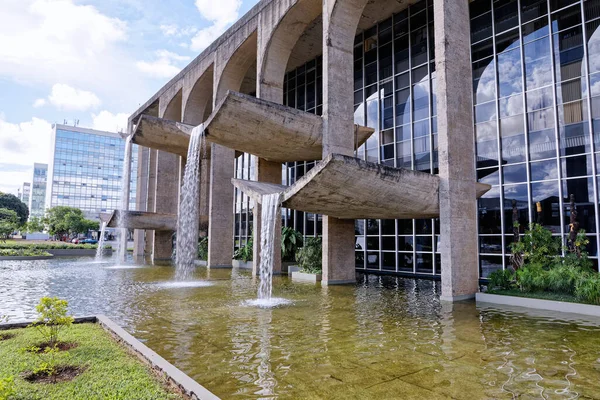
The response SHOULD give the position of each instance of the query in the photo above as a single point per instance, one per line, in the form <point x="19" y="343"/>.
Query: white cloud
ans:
<point x="65" y="97"/>
<point x="169" y="30"/>
<point x="164" y="66"/>
<point x="39" y="103"/>
<point x="21" y="145"/>
<point x="107" y="121"/>
<point x="221" y="17"/>
<point x="176" y="31"/>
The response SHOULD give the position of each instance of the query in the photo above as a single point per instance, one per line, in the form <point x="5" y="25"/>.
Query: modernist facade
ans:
<point x="86" y="170"/>
<point x="25" y="192"/>
<point x="504" y="93"/>
<point x="37" y="200"/>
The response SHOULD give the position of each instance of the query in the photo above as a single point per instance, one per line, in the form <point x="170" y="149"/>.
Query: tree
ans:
<point x="35" y="224"/>
<point x="9" y="222"/>
<point x="63" y="220"/>
<point x="12" y="202"/>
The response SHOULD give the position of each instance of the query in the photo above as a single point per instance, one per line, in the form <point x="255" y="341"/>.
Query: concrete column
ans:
<point x="338" y="135"/>
<point x="270" y="172"/>
<point x="204" y="194"/>
<point x="166" y="197"/>
<point x="458" y="207"/>
<point x="141" y="198"/>
<point x="220" y="224"/>
<point x="149" y="242"/>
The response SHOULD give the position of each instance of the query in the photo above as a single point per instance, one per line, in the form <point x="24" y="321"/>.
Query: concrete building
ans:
<point x="25" y="192"/>
<point x="37" y="200"/>
<point x="86" y="170"/>
<point x="455" y="92"/>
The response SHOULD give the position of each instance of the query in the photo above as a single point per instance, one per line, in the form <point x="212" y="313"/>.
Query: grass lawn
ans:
<point x="109" y="370"/>
<point x="569" y="298"/>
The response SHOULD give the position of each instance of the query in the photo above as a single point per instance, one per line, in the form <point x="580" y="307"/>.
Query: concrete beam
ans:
<point x="142" y="220"/>
<point x="161" y="134"/>
<point x="348" y="188"/>
<point x="272" y="131"/>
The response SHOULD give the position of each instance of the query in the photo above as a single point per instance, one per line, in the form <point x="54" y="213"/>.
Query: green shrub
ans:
<point x="203" y="249"/>
<point x="588" y="290"/>
<point x="7" y="387"/>
<point x="291" y="240"/>
<point x="23" y="253"/>
<point x="503" y="279"/>
<point x="562" y="279"/>
<point x="309" y="257"/>
<point x="531" y="278"/>
<point x="538" y="246"/>
<point x="49" y="246"/>
<point x="52" y="318"/>
<point x="245" y="253"/>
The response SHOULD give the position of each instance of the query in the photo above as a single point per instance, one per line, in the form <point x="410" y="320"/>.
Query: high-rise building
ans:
<point x="25" y="192"/>
<point x="86" y="170"/>
<point x="37" y="199"/>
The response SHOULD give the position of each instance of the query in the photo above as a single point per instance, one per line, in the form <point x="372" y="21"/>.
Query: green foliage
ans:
<point x="112" y="372"/>
<point x="9" y="222"/>
<point x="588" y="290"/>
<point x="48" y="360"/>
<point x="7" y="387"/>
<point x="203" y="249"/>
<point x="35" y="224"/>
<point x="538" y="246"/>
<point x="246" y="252"/>
<point x="52" y="318"/>
<point x="291" y="240"/>
<point x="309" y="257"/>
<point x="503" y="279"/>
<point x="63" y="220"/>
<point x="23" y="253"/>
<point x="12" y="202"/>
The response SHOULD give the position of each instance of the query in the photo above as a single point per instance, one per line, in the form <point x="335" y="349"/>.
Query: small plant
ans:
<point x="503" y="279"/>
<point x="203" y="248"/>
<point x="309" y="257"/>
<point x="52" y="319"/>
<point x="538" y="246"/>
<point x="7" y="387"/>
<point x="244" y="253"/>
<point x="291" y="240"/>
<point x="588" y="290"/>
<point x="50" y="363"/>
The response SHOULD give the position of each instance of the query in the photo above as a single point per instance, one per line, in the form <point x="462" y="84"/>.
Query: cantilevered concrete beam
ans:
<point x="141" y="220"/>
<point x="157" y="133"/>
<point x="348" y="188"/>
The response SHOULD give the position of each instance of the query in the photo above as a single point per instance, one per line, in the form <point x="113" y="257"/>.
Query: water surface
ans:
<point x="382" y="338"/>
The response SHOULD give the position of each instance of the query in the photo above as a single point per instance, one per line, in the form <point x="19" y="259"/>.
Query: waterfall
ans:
<point x="125" y="189"/>
<point x="100" y="248"/>
<point x="189" y="207"/>
<point x="269" y="214"/>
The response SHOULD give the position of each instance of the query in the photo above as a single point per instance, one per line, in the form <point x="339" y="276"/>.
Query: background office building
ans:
<point x="25" y="192"/>
<point x="85" y="170"/>
<point x="37" y="199"/>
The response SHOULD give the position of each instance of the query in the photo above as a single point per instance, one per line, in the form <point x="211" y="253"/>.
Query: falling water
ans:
<point x="188" y="218"/>
<point x="125" y="189"/>
<point x="269" y="215"/>
<point x="100" y="248"/>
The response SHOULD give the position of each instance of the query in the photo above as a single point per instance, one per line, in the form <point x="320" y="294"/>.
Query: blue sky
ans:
<point x="91" y="60"/>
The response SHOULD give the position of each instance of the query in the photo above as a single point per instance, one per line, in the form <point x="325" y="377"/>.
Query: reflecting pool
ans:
<point x="383" y="338"/>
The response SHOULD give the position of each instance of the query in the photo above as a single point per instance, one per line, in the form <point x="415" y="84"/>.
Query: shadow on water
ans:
<point x="384" y="337"/>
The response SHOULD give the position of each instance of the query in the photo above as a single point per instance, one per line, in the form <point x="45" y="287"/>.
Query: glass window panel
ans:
<point x="509" y="72"/>
<point x="540" y="98"/>
<point x="481" y="27"/>
<point x="520" y="195"/>
<point x="490" y="244"/>
<point x="482" y="50"/>
<point x="489" y="264"/>
<point x="385" y="61"/>
<point x="490" y="176"/>
<point x="505" y="15"/>
<point x="401" y="56"/>
<point x="566" y="18"/>
<point x="402" y="81"/>
<point x="403" y="154"/>
<point x="484" y="83"/>
<point x="485" y="112"/>
<point x="403" y="107"/>
<point x="515" y="173"/>
<point x="489" y="211"/>
<point x="510" y="106"/>
<point x="532" y="9"/>
<point x="576" y="166"/>
<point x="538" y="66"/>
<point x="568" y="54"/>
<point x="507" y="41"/>
<point x="479" y="7"/>
<point x="546" y="212"/>
<point x="583" y="190"/>
<point x="486" y="141"/>
<point x="419" y="46"/>
<point x="544" y="170"/>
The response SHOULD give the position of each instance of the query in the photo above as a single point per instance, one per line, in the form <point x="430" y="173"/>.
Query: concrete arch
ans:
<point x="236" y="68"/>
<point x="197" y="102"/>
<point x="280" y="43"/>
<point x="172" y="108"/>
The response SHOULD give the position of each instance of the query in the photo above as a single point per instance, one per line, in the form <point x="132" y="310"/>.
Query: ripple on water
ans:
<point x="267" y="303"/>
<point x="125" y="267"/>
<point x="183" y="284"/>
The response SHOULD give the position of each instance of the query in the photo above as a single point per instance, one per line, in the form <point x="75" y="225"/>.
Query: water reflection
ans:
<point x="385" y="337"/>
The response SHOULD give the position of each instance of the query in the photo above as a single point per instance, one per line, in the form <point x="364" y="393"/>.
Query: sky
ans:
<point x="95" y="61"/>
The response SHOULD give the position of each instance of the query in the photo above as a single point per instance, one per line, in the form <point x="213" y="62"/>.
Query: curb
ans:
<point x="538" y="304"/>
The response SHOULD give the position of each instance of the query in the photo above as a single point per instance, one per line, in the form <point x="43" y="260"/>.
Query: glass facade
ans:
<point x="536" y="111"/>
<point x="38" y="190"/>
<point x="87" y="170"/>
<point x="536" y="95"/>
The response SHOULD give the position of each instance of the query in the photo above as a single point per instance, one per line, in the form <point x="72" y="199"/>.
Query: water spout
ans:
<point x="269" y="214"/>
<point x="100" y="249"/>
<point x="189" y="208"/>
<point x="125" y="189"/>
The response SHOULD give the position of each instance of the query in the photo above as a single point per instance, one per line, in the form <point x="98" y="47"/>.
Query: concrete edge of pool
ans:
<point x="173" y="375"/>
<point x="538" y="304"/>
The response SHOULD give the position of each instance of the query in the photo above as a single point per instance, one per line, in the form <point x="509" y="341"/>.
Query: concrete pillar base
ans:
<point x="163" y="246"/>
<point x="222" y="266"/>
<point x="338" y="251"/>
<point x="338" y="282"/>
<point x="452" y="299"/>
